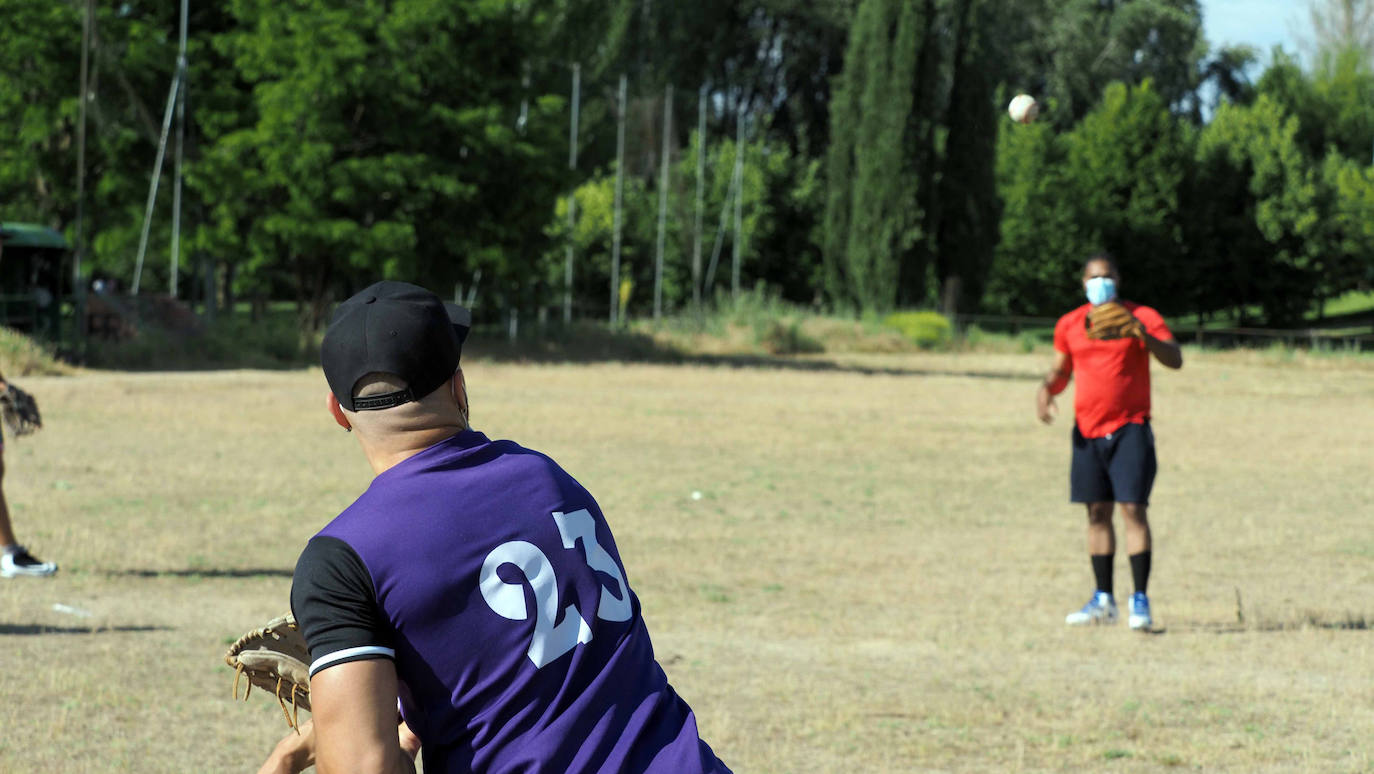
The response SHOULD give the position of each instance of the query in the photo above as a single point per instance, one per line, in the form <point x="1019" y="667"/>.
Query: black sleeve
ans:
<point x="335" y="605"/>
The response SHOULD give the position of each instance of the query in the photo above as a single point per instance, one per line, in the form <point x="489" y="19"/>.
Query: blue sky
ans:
<point x="1259" y="23"/>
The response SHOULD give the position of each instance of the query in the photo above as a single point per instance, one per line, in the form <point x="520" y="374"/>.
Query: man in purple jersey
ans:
<point x="475" y="585"/>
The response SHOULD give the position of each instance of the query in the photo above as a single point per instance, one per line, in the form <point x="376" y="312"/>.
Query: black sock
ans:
<point x="1102" y="570"/>
<point x="1140" y="570"/>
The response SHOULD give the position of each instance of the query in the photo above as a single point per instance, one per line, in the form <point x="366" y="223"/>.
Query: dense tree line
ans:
<point x="330" y="143"/>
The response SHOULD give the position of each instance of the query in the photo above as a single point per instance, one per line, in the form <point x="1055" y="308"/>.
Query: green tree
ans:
<point x="1077" y="47"/>
<point x="1043" y="239"/>
<point x="967" y="207"/>
<point x="38" y="109"/>
<point x="772" y="182"/>
<point x="873" y="222"/>
<point x="1129" y="162"/>
<point x="1114" y="183"/>
<point x="370" y="150"/>
<point x="1333" y="102"/>
<point x="773" y="57"/>
<point x="1348" y="228"/>
<point x="1262" y="226"/>
<point x="1340" y="27"/>
<point x="132" y="59"/>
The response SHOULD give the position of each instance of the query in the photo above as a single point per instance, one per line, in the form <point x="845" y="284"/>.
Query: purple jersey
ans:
<point x="492" y="579"/>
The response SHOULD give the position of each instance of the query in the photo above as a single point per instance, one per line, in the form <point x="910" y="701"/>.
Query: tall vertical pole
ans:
<point x="663" y="199"/>
<point x="701" y="207"/>
<point x="153" y="184"/>
<point x="176" y="174"/>
<point x="619" y="194"/>
<point x="572" y="196"/>
<point x="736" y="248"/>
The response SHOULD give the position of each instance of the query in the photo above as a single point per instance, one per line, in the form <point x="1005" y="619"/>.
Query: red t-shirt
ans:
<point x="1113" y="376"/>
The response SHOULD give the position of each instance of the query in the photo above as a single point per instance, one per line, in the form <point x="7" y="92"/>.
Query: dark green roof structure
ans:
<point x="31" y="235"/>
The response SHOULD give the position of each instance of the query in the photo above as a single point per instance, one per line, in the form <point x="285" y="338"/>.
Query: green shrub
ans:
<point x="975" y="337"/>
<point x="785" y="337"/>
<point x="275" y="341"/>
<point x="925" y="328"/>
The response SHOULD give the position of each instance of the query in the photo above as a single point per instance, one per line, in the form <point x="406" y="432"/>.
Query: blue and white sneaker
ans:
<point x="1101" y="609"/>
<point x="1140" y="612"/>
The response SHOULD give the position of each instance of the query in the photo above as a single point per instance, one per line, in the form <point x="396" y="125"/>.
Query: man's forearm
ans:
<point x="1168" y="353"/>
<point x="1055" y="382"/>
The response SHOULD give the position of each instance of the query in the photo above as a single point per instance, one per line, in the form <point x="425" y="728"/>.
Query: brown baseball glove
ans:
<point x="1113" y="321"/>
<point x="19" y="411"/>
<point x="274" y="658"/>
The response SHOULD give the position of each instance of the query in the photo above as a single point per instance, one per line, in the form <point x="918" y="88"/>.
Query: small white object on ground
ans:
<point x="69" y="610"/>
<point x="696" y="495"/>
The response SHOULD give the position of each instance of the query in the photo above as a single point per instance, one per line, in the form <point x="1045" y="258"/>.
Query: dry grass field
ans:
<point x="873" y="580"/>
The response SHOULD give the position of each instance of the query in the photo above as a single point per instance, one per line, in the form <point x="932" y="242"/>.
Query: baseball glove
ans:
<point x="1113" y="321"/>
<point x="274" y="658"/>
<point x="19" y="411"/>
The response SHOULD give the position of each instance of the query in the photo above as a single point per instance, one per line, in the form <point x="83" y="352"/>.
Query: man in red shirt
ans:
<point x="1113" y="445"/>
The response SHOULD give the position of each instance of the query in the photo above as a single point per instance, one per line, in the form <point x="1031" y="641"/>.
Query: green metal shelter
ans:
<point x="35" y="289"/>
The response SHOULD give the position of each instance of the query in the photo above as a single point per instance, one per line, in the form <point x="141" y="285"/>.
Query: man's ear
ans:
<point x="458" y="388"/>
<point x="337" y="412"/>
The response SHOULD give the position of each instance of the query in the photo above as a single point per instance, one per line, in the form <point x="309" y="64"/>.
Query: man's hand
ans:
<point x="1055" y="382"/>
<point x="1044" y="405"/>
<point x="1167" y="352"/>
<point x="294" y="753"/>
<point x="410" y="743"/>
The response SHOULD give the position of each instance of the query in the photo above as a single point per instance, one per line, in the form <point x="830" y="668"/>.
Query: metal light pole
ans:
<point x="663" y="200"/>
<point x="619" y="194"/>
<point x="736" y="248"/>
<point x="153" y="184"/>
<point x="701" y="188"/>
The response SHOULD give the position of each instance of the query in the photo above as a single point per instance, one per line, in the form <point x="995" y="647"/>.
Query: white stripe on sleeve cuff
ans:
<point x="350" y="654"/>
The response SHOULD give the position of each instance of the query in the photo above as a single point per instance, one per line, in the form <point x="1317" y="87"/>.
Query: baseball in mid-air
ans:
<point x="1023" y="109"/>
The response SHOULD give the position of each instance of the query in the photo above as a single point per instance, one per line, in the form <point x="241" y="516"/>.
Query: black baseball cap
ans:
<point x="394" y="328"/>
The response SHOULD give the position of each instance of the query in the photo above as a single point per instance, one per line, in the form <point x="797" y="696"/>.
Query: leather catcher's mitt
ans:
<point x="19" y="411"/>
<point x="1113" y="321"/>
<point x="274" y="658"/>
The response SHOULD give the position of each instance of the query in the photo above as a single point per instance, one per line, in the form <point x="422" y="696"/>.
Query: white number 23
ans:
<point x="551" y="639"/>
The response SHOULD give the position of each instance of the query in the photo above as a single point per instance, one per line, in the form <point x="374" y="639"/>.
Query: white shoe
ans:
<point x="21" y="562"/>
<point x="1101" y="609"/>
<point x="1140" y="612"/>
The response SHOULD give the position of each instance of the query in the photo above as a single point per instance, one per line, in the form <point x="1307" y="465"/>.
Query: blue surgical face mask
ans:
<point x="1100" y="290"/>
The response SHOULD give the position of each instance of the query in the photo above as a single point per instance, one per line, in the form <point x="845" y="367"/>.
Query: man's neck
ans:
<point x="401" y="447"/>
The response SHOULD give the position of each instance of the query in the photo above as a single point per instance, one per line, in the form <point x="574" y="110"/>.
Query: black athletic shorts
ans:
<point x="1119" y="468"/>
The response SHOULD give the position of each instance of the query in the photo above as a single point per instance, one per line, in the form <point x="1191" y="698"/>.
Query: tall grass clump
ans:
<point x="21" y="355"/>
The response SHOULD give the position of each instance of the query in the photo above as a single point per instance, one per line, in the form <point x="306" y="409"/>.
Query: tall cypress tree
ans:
<point x="873" y="217"/>
<point x="969" y="208"/>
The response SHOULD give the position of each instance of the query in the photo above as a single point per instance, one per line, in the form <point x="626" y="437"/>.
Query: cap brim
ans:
<point x="461" y="319"/>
